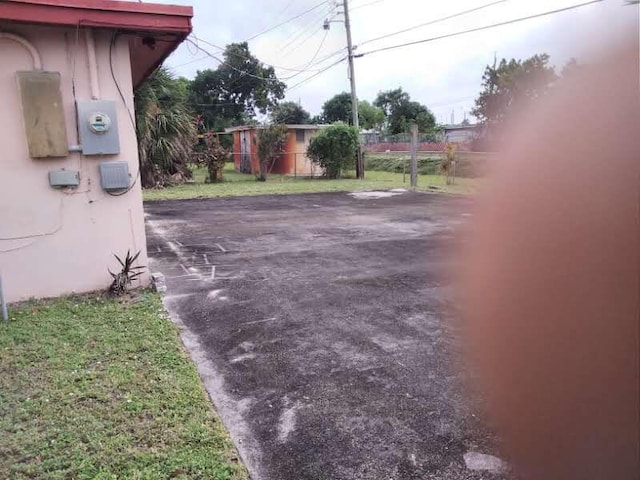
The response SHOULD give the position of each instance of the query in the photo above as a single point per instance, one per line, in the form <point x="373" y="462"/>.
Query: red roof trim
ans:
<point x="149" y="17"/>
<point x="114" y="6"/>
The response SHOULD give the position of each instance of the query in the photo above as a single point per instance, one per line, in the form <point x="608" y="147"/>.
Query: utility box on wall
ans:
<point x="64" y="178"/>
<point x="43" y="114"/>
<point x="114" y="175"/>
<point x="98" y="127"/>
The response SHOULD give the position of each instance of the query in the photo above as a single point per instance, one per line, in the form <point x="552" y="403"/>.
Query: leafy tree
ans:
<point x="271" y="143"/>
<point x="370" y="117"/>
<point x="165" y="129"/>
<point x="334" y="148"/>
<point x="290" y="113"/>
<point x="233" y="93"/>
<point x="507" y="87"/>
<point x="338" y="109"/>
<point x="400" y="112"/>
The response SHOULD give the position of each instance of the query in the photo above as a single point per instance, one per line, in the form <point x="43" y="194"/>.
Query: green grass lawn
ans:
<point x="97" y="388"/>
<point x="238" y="184"/>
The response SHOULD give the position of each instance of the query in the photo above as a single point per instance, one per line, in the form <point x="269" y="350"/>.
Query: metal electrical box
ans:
<point x="98" y="127"/>
<point x="64" y="178"/>
<point x="114" y="175"/>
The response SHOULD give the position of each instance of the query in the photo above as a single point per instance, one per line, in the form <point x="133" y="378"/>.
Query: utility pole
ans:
<point x="354" y="97"/>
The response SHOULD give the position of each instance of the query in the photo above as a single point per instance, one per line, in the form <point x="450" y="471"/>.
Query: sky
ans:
<point x="445" y="74"/>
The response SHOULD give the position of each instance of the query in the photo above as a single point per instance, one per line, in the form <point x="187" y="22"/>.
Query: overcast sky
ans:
<point x="444" y="74"/>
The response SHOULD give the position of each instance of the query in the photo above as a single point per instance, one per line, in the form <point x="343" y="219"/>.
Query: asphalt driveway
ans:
<point x="322" y="325"/>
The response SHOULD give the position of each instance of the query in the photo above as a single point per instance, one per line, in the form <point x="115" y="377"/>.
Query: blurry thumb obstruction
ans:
<point x="552" y="279"/>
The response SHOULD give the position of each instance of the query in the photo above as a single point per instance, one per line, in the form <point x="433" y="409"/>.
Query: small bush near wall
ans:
<point x="334" y="149"/>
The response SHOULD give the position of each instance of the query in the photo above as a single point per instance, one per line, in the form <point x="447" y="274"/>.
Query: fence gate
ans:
<point x="245" y="151"/>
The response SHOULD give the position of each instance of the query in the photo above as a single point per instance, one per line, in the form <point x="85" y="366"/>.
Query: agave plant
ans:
<point x="122" y="280"/>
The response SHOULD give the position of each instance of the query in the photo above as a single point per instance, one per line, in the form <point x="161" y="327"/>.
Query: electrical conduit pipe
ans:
<point x="93" y="65"/>
<point x="37" y="62"/>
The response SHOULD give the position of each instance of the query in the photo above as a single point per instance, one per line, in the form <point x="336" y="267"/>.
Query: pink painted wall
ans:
<point x="68" y="237"/>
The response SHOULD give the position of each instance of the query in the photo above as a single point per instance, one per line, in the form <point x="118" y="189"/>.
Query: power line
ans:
<point x="306" y="39"/>
<point x="287" y="21"/>
<point x="316" y="74"/>
<point x="231" y="66"/>
<point x="431" y="22"/>
<point x="315" y="55"/>
<point x="366" y="5"/>
<point x="246" y="58"/>
<point x="302" y="31"/>
<point x="486" y="27"/>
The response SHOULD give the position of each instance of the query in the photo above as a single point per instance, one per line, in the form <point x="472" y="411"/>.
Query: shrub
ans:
<point x="214" y="157"/>
<point x="334" y="149"/>
<point x="271" y="142"/>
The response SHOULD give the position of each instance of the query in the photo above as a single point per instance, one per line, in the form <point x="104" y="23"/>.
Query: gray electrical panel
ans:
<point x="98" y="127"/>
<point x="64" y="178"/>
<point x="114" y="175"/>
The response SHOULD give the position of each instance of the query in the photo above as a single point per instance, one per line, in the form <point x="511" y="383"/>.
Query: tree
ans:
<point x="165" y="128"/>
<point x="400" y="112"/>
<point x="271" y="142"/>
<point x="370" y="117"/>
<point x="334" y="148"/>
<point x="290" y="113"/>
<point x="233" y="93"/>
<point x="338" y="109"/>
<point x="508" y="86"/>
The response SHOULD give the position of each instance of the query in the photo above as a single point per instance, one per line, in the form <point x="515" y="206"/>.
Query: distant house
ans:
<point x="70" y="189"/>
<point x="293" y="161"/>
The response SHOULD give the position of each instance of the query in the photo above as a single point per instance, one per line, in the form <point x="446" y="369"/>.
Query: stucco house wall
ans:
<point x="54" y="242"/>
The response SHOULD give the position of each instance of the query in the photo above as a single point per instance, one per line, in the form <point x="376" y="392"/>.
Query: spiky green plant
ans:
<point x="123" y="279"/>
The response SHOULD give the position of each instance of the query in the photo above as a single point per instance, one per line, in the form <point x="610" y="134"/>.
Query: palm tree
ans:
<point x="165" y="128"/>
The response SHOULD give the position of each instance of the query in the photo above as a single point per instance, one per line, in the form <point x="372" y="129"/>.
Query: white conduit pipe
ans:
<point x="93" y="65"/>
<point x="37" y="62"/>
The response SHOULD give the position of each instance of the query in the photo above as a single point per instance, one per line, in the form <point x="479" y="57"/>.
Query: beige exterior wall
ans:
<point x="303" y="165"/>
<point x="68" y="238"/>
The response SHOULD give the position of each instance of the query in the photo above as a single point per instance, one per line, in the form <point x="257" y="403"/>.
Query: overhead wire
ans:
<point x="477" y="29"/>
<point x="315" y="7"/>
<point x="356" y="7"/>
<point x="285" y="49"/>
<point x="276" y="67"/>
<point x="302" y="82"/>
<point x="432" y="22"/>
<point x="243" y="72"/>
<point x="315" y="55"/>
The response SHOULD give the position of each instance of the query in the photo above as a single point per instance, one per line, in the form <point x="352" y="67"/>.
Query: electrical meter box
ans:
<point x="98" y="127"/>
<point x="64" y="178"/>
<point x="114" y="175"/>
